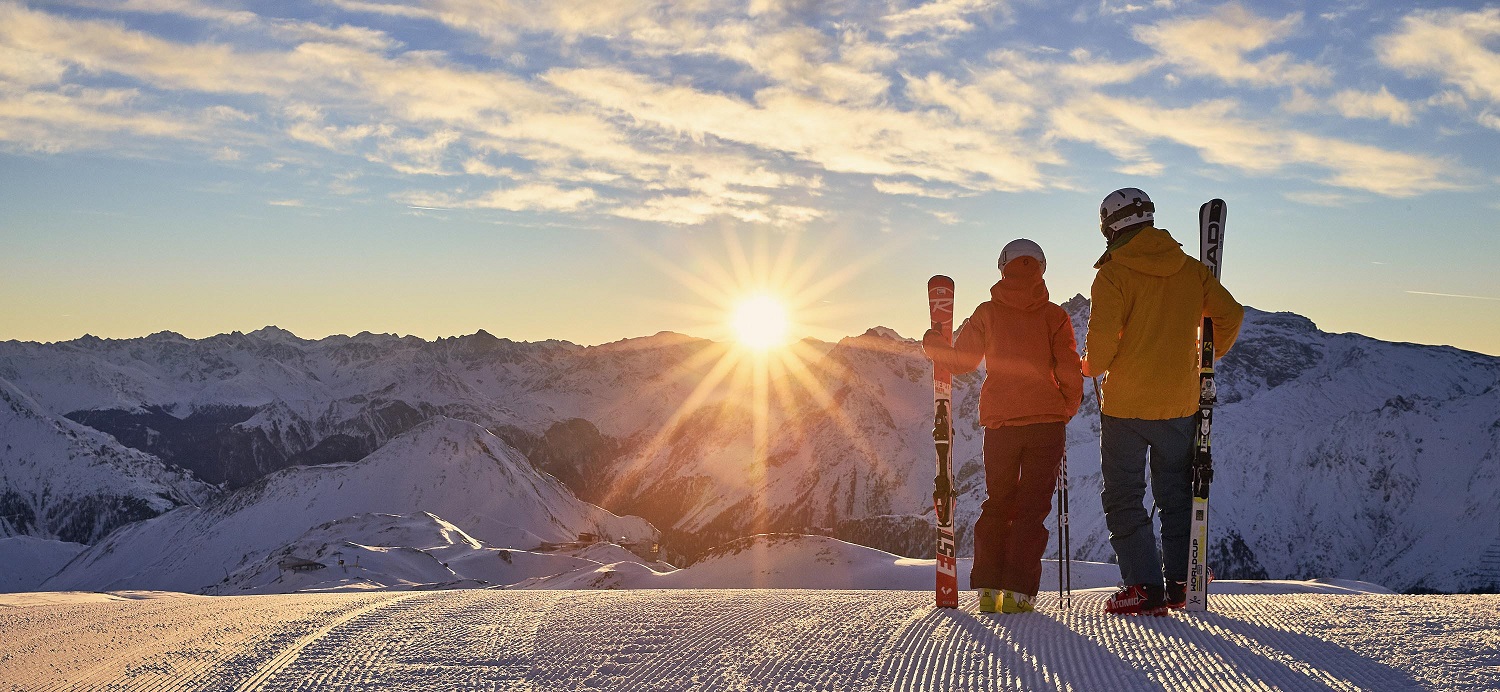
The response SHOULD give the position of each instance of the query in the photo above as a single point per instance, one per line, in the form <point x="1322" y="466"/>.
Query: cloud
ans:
<point x="773" y="39"/>
<point x="876" y="140"/>
<point x="1107" y="8"/>
<point x="1219" y="45"/>
<point x="937" y="17"/>
<point x="505" y="21"/>
<point x="901" y="187"/>
<point x="1449" y="99"/>
<point x="530" y="197"/>
<point x="1125" y="127"/>
<point x="691" y="210"/>
<point x="359" y="37"/>
<point x="1319" y="199"/>
<point x="24" y="68"/>
<point x="673" y="112"/>
<point x="991" y="104"/>
<point x="99" y="47"/>
<point x="946" y="218"/>
<point x="308" y="125"/>
<point x="186" y="8"/>
<point x="1449" y="45"/>
<point x="1380" y="105"/>
<point x="78" y="118"/>
<point x="1355" y="104"/>
<point x="1454" y="47"/>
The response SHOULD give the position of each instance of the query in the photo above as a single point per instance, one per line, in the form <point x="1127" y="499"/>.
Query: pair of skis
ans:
<point x="940" y="307"/>
<point x="944" y="493"/>
<point x="1211" y="253"/>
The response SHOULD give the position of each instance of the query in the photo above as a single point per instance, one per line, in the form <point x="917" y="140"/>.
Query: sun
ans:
<point x="760" y="322"/>
<point x="763" y="298"/>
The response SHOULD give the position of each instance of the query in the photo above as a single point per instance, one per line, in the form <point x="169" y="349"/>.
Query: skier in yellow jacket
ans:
<point x="1148" y="301"/>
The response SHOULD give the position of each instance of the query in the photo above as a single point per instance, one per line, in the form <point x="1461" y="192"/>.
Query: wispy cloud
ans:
<point x="76" y="118"/>
<point x="1222" y="44"/>
<point x="874" y="140"/>
<point x="1355" y="104"/>
<point x="938" y="16"/>
<point x="1450" y="45"/>
<point x="1111" y="8"/>
<point x="1320" y="199"/>
<point x="902" y="187"/>
<point x="533" y="197"/>
<point x="1125" y="126"/>
<point x="196" y="9"/>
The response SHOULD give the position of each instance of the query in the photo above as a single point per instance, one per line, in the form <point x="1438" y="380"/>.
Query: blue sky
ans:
<point x="599" y="170"/>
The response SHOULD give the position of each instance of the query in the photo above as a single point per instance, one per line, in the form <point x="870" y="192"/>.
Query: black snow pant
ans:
<point x="1020" y="475"/>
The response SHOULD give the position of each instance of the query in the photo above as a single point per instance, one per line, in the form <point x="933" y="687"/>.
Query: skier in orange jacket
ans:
<point x="1032" y="387"/>
<point x="1148" y="301"/>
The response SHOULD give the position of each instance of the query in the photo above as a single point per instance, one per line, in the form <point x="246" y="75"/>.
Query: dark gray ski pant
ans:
<point x="1124" y="446"/>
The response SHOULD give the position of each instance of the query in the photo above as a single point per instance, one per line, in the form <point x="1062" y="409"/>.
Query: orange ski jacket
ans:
<point x="1027" y="345"/>
<point x="1149" y="299"/>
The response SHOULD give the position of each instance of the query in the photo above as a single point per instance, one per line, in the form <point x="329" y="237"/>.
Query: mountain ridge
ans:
<point x="668" y="432"/>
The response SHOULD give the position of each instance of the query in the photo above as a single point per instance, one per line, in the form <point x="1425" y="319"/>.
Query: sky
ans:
<point x="593" y="171"/>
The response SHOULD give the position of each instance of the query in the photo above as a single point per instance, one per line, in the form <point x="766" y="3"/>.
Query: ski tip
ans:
<point x="939" y="280"/>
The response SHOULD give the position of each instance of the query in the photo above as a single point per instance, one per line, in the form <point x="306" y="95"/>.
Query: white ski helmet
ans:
<point x="1124" y="208"/>
<point x="1022" y="247"/>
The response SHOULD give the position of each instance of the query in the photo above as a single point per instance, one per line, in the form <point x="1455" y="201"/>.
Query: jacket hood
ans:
<point x="1021" y="285"/>
<point x="1149" y="251"/>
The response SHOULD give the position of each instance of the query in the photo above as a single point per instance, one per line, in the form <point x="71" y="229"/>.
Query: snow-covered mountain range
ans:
<point x="64" y="481"/>
<point x="1337" y="456"/>
<point x="452" y="469"/>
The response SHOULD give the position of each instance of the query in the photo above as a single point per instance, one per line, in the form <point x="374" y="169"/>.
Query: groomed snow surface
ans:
<point x="489" y="639"/>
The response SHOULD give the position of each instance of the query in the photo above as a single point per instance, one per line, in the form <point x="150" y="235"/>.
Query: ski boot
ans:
<point x="1016" y="602"/>
<point x="989" y="601"/>
<point x="1177" y="591"/>
<point x="1176" y="594"/>
<point x="1138" y="599"/>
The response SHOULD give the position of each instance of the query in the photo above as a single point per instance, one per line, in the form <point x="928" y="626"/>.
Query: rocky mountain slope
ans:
<point x="453" y="469"/>
<point x="65" y="481"/>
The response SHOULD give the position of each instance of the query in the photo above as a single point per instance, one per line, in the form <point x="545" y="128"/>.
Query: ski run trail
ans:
<point x="737" y="640"/>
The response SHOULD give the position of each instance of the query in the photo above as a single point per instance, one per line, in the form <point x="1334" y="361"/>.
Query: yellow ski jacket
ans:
<point x="1149" y="299"/>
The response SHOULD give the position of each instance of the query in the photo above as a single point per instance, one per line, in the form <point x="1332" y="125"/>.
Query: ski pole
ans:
<point x="1066" y="543"/>
<point x="1060" y="524"/>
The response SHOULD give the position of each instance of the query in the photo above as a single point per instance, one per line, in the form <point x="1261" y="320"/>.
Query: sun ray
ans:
<point x="785" y="262"/>
<point x="824" y="399"/>
<point x="722" y="369"/>
<point x="743" y="274"/>
<point x="760" y="374"/>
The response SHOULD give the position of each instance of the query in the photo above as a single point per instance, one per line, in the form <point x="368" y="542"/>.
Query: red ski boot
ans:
<point x="1138" y="599"/>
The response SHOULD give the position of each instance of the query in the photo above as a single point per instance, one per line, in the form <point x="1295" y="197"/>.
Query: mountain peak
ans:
<point x="884" y="333"/>
<point x="273" y="333"/>
<point x="1078" y="304"/>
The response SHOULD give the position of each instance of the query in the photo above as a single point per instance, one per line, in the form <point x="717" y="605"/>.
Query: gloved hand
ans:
<point x="934" y="344"/>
